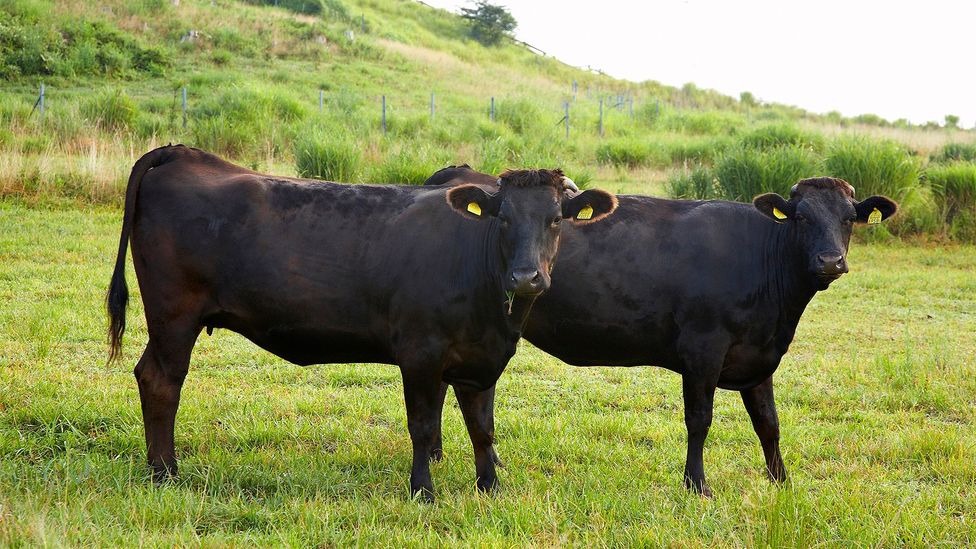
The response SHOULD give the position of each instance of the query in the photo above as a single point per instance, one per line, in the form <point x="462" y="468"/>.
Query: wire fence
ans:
<point x="572" y="115"/>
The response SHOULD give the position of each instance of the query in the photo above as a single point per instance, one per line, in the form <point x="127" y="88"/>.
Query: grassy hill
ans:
<point x="255" y="75"/>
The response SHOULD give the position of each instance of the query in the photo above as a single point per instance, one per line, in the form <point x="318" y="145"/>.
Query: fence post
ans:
<point x="184" y="107"/>
<point x="362" y="23"/>
<point x="657" y="108"/>
<point x="631" y="106"/>
<point x="491" y="113"/>
<point x="566" y="117"/>
<point x="321" y="99"/>
<point x="431" y="106"/>
<point x="384" y="114"/>
<point x="575" y="89"/>
<point x="40" y="102"/>
<point x="601" y="117"/>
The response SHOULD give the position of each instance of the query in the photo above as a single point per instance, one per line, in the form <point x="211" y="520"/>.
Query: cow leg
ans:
<point x="421" y="392"/>
<point x="477" y="407"/>
<point x="761" y="406"/>
<point x="699" y="396"/>
<point x="160" y="374"/>
<point x="437" y="453"/>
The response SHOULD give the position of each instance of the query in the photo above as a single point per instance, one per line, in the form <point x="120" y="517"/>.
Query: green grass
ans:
<point x="875" y="398"/>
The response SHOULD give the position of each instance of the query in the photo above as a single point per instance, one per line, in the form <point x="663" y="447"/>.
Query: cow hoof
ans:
<point x="423" y="495"/>
<point x="488" y="486"/>
<point x="698" y="487"/>
<point x="436" y="454"/>
<point x="162" y="472"/>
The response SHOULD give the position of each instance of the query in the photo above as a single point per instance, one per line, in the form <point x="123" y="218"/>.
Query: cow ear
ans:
<point x="472" y="202"/>
<point x="774" y="207"/>
<point x="589" y="206"/>
<point x="875" y="209"/>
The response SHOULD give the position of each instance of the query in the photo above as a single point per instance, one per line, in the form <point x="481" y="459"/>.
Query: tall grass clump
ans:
<point x="704" y="122"/>
<point x="408" y="166"/>
<point x="696" y="149"/>
<point x="632" y="152"/>
<point x="110" y="110"/>
<point x="697" y="183"/>
<point x="775" y="135"/>
<point x="523" y="116"/>
<point x="953" y="152"/>
<point x="955" y="186"/>
<point x="742" y="173"/>
<point x="872" y="166"/>
<point x="331" y="157"/>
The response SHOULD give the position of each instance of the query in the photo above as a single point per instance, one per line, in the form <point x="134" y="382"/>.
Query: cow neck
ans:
<point x="495" y="270"/>
<point x="784" y="273"/>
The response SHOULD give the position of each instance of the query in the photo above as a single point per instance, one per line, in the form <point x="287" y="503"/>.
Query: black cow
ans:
<point x="712" y="290"/>
<point x="319" y="272"/>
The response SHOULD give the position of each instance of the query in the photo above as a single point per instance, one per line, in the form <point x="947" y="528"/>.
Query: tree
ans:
<point x="747" y="99"/>
<point x="951" y="121"/>
<point x="489" y="23"/>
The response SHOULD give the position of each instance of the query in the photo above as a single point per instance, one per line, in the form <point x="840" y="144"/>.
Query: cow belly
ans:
<point x="305" y="345"/>
<point x="746" y="366"/>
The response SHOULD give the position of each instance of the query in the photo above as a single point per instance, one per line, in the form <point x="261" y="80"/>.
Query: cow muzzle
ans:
<point x="830" y="265"/>
<point x="527" y="282"/>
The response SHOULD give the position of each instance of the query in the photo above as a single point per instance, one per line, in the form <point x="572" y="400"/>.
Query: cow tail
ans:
<point x="117" y="298"/>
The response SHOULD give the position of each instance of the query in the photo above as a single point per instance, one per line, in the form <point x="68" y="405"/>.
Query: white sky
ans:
<point x="890" y="58"/>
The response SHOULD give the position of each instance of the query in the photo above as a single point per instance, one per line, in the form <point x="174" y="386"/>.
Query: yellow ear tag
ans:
<point x="585" y="212"/>
<point x="874" y="217"/>
<point x="778" y="214"/>
<point x="474" y="208"/>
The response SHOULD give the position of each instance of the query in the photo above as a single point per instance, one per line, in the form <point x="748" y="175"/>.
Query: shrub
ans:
<point x="742" y="173"/>
<point x="951" y="152"/>
<point x="111" y="110"/>
<point x="873" y="167"/>
<point x="328" y="156"/>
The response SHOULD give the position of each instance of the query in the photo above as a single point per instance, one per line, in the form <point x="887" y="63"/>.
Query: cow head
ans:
<point x="528" y="209"/>
<point x="820" y="215"/>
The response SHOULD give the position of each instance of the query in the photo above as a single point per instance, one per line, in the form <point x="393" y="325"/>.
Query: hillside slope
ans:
<point x="255" y="75"/>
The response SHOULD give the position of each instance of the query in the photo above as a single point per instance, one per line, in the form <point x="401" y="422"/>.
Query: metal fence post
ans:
<point x="631" y="106"/>
<point x="575" y="89"/>
<point x="432" y="105"/>
<point x="491" y="113"/>
<point x="184" y="107"/>
<point x="566" y="117"/>
<point x="384" y="114"/>
<point x="40" y="102"/>
<point x="601" y="117"/>
<point x="362" y="23"/>
<point x="321" y="99"/>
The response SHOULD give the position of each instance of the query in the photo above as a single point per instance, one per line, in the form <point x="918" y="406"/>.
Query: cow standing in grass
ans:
<point x="319" y="272"/>
<point x="712" y="290"/>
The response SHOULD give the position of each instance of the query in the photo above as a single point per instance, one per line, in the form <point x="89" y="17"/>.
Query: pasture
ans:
<point x="876" y="400"/>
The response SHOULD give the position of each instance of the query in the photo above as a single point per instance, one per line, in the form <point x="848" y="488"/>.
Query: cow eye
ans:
<point x="801" y="218"/>
<point x="556" y="221"/>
